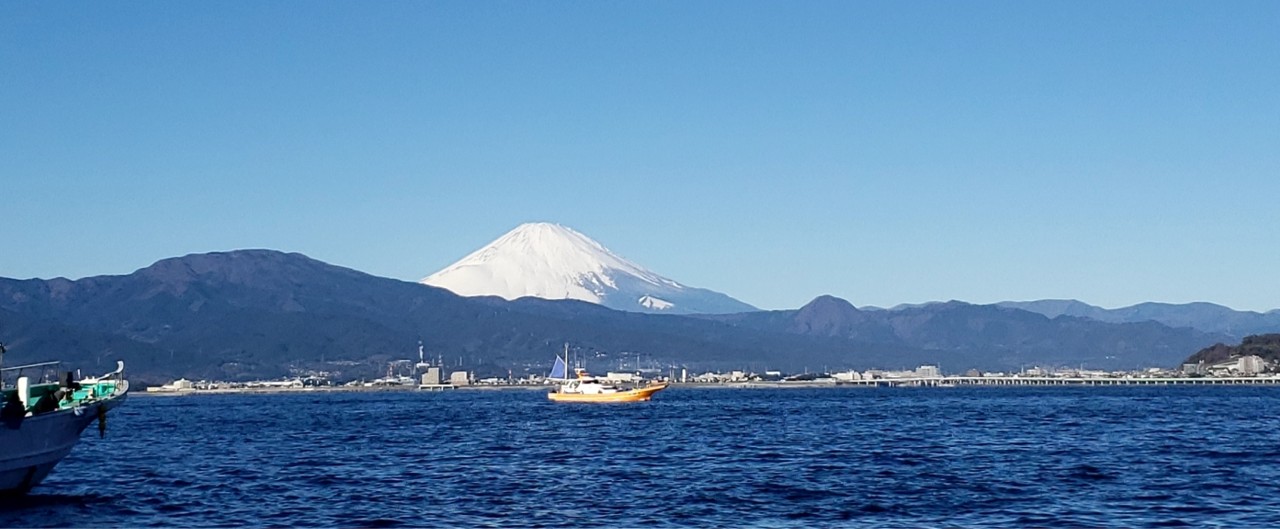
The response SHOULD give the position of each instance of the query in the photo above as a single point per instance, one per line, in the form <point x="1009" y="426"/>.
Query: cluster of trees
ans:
<point x="1266" y="346"/>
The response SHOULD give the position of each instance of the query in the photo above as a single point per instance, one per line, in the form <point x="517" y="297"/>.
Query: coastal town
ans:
<point x="1243" y="370"/>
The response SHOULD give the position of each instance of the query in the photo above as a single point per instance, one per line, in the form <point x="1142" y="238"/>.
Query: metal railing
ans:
<point x="48" y="372"/>
<point x="51" y="372"/>
<point x="116" y="376"/>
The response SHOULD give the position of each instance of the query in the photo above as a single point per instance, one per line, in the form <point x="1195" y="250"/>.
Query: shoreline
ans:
<point x="943" y="383"/>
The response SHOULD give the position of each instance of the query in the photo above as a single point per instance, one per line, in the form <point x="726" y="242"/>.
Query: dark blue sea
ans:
<point x="943" y="457"/>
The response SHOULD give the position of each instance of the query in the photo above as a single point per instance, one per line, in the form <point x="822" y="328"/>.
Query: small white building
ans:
<point x="431" y="376"/>
<point x="928" y="371"/>
<point x="181" y="384"/>
<point x="622" y="378"/>
<point x="460" y="378"/>
<point x="847" y="376"/>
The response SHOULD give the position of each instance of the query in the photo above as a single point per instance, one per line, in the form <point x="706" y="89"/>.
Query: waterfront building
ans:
<point x="1250" y="365"/>
<point x="460" y="378"/>
<point x="621" y="378"/>
<point x="847" y="376"/>
<point x="432" y="376"/>
<point x="181" y="384"/>
<point x="928" y="371"/>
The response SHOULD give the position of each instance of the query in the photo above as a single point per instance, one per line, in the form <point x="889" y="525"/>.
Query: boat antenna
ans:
<point x="420" y="359"/>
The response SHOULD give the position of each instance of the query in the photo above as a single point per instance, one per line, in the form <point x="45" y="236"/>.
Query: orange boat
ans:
<point x="586" y="388"/>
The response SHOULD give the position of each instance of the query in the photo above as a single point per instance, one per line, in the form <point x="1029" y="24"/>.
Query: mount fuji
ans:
<point x="551" y="261"/>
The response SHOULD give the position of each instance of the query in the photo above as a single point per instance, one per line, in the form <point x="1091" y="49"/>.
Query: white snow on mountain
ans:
<point x="551" y="261"/>
<point x="654" y="303"/>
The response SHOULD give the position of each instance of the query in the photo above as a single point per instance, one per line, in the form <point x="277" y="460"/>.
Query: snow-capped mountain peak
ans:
<point x="551" y="261"/>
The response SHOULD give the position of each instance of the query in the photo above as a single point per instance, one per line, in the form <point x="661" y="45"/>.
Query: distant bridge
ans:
<point x="1061" y="381"/>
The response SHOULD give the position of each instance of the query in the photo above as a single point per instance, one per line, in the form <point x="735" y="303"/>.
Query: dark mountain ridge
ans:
<point x="1207" y="317"/>
<point x="261" y="313"/>
<point x="985" y="335"/>
<point x="256" y="313"/>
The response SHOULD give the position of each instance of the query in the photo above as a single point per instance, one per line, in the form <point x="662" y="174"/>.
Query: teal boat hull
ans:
<point x="31" y="447"/>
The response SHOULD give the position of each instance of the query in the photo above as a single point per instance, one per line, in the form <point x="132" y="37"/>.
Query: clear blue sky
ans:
<point x="884" y="152"/>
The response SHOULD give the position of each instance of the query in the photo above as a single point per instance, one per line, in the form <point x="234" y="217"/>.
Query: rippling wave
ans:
<point x="981" y="457"/>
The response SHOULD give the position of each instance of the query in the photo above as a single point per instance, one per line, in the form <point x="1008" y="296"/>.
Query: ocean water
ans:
<point x="945" y="457"/>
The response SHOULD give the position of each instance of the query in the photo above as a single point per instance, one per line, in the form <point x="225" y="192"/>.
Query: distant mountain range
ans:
<point x="551" y="261"/>
<point x="1206" y="317"/>
<point x="262" y="313"/>
<point x="961" y="335"/>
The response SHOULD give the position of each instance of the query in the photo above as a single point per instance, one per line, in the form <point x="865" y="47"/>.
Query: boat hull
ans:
<point x="632" y="395"/>
<point x="34" y="445"/>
